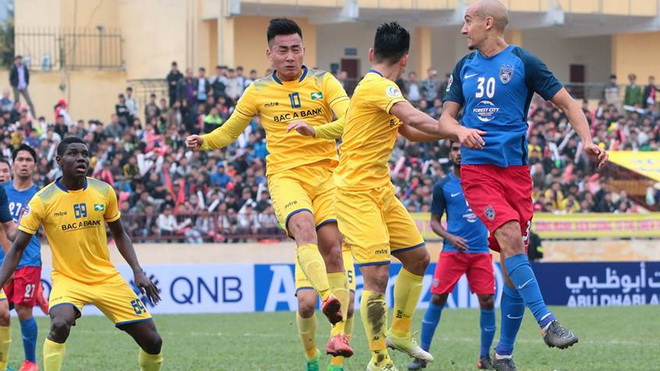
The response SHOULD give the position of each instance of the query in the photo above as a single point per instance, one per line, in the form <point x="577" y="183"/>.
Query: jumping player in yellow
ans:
<point x="372" y="220"/>
<point x="74" y="211"/>
<point x="306" y="319"/>
<point x="299" y="170"/>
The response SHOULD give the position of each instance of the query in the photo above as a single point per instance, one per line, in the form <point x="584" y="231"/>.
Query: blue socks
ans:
<point x="487" y="324"/>
<point x="512" y="310"/>
<point x="432" y="318"/>
<point x="29" y="331"/>
<point x="429" y="323"/>
<point x="522" y="276"/>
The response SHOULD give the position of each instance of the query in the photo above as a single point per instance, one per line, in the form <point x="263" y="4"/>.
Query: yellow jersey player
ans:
<point x="299" y="170"/>
<point x="372" y="220"/>
<point x="74" y="211"/>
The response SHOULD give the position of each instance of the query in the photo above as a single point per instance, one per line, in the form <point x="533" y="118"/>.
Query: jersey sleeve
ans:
<point x="334" y="94"/>
<point x="5" y="215"/>
<point x="538" y="76"/>
<point x="247" y="104"/>
<point x="386" y="94"/>
<point x="111" y="209"/>
<point x="454" y="91"/>
<point x="245" y="109"/>
<point x="439" y="204"/>
<point x="32" y="216"/>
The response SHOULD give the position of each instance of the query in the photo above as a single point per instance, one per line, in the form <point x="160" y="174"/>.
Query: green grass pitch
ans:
<point x="611" y="338"/>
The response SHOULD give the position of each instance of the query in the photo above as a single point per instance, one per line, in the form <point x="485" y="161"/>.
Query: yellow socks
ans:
<point x="407" y="289"/>
<point x="5" y="341"/>
<point x="348" y="327"/>
<point x="312" y="264"/>
<point x="150" y="362"/>
<point x="339" y="288"/>
<point x="373" y="310"/>
<point x="53" y="355"/>
<point x="307" y="333"/>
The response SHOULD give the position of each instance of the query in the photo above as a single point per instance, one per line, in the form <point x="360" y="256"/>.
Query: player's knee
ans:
<point x="487" y="301"/>
<point x="4" y="318"/>
<point x="24" y="312"/>
<point x="303" y="230"/>
<point x="306" y="308"/>
<point x="438" y="300"/>
<point x="419" y="263"/>
<point x="59" y="329"/>
<point x="153" y="343"/>
<point x="510" y="239"/>
<point x="380" y="281"/>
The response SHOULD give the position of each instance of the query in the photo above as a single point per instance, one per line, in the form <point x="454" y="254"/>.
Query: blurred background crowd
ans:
<point x="167" y="193"/>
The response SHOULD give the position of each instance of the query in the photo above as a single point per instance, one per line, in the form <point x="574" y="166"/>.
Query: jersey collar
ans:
<point x="302" y="77"/>
<point x="61" y="186"/>
<point x="376" y="72"/>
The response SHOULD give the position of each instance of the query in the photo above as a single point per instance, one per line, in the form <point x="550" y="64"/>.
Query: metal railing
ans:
<point x="45" y="49"/>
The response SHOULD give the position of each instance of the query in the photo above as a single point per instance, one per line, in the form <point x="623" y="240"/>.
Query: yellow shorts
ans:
<point x="375" y="224"/>
<point x="305" y="188"/>
<point x="303" y="283"/>
<point x="3" y="296"/>
<point x="113" y="297"/>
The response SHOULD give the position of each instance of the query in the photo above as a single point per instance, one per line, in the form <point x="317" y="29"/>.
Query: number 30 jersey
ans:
<point x="495" y="93"/>
<point x="74" y="223"/>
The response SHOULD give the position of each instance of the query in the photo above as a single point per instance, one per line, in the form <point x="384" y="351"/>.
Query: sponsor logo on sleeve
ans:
<point x="393" y="92"/>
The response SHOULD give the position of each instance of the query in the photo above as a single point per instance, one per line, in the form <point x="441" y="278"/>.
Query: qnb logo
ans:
<point x="142" y="296"/>
<point x="485" y="110"/>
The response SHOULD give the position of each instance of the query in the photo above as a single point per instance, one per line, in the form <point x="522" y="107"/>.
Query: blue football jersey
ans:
<point x="495" y="93"/>
<point x="461" y="221"/>
<point x="18" y="202"/>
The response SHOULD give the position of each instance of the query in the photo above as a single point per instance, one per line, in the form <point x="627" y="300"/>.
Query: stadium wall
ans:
<point x="91" y="94"/>
<point x="636" y="53"/>
<point x="595" y="53"/>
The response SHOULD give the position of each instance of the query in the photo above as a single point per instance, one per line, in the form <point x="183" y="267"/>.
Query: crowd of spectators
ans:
<point x="168" y="193"/>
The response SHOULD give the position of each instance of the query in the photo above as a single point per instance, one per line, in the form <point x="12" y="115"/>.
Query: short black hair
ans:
<point x="282" y="26"/>
<point x="4" y="160"/>
<point x="64" y="144"/>
<point x="24" y="147"/>
<point x="391" y="43"/>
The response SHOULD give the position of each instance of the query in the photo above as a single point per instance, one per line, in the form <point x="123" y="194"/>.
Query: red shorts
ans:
<point x="452" y="265"/>
<point x="22" y="288"/>
<point x="499" y="195"/>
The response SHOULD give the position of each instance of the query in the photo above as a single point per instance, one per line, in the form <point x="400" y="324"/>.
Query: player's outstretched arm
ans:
<point x="13" y="256"/>
<point x="330" y="130"/>
<point x="126" y="249"/>
<point x="220" y="137"/>
<point x="579" y="122"/>
<point x="425" y="127"/>
<point x="470" y="138"/>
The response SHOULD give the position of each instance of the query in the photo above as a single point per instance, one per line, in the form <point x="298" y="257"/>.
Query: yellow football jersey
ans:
<point x="74" y="222"/>
<point x="369" y="134"/>
<point x="313" y="98"/>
